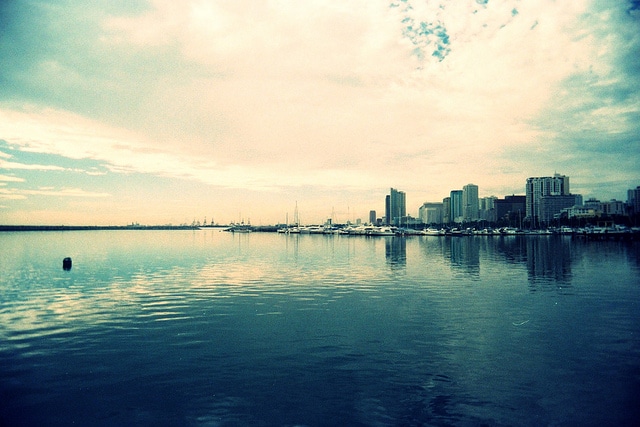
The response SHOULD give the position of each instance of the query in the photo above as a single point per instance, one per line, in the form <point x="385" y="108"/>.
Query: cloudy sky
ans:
<point x="165" y="111"/>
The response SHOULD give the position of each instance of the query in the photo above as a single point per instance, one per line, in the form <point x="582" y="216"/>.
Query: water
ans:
<point x="208" y="328"/>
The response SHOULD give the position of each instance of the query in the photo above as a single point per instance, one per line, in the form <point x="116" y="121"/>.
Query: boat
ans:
<point x="381" y="231"/>
<point x="567" y="230"/>
<point x="240" y="228"/>
<point x="457" y="232"/>
<point x="432" y="231"/>
<point x="316" y="229"/>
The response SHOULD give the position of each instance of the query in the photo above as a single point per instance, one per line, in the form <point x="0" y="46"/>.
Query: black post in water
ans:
<point x="66" y="264"/>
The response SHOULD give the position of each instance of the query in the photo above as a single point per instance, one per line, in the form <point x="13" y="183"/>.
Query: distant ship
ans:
<point x="241" y="228"/>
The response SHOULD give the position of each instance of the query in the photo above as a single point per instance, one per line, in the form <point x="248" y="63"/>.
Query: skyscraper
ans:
<point x="395" y="207"/>
<point x="633" y="200"/>
<point x="457" y="206"/>
<point x="539" y="187"/>
<point x="387" y="209"/>
<point x="470" y="202"/>
<point x="446" y="210"/>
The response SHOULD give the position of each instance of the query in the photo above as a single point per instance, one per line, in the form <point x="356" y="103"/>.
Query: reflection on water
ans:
<point x="465" y="255"/>
<point x="547" y="258"/>
<point x="211" y="328"/>
<point x="396" y="251"/>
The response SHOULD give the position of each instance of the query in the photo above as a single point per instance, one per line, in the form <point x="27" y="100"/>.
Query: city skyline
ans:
<point x="161" y="112"/>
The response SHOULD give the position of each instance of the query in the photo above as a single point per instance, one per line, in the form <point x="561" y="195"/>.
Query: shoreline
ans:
<point x="600" y="236"/>
<point x="93" y="227"/>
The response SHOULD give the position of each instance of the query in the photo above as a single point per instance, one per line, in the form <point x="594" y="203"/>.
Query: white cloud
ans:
<point x="281" y="64"/>
<point x="10" y="194"/>
<point x="8" y="178"/>
<point x="17" y="194"/>
<point x="14" y="165"/>
<point x="330" y="95"/>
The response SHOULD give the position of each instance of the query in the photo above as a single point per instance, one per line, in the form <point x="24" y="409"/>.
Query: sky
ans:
<point x="165" y="112"/>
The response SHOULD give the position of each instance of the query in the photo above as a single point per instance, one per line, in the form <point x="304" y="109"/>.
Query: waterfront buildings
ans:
<point x="538" y="187"/>
<point x="446" y="210"/>
<point x="551" y="206"/>
<point x="511" y="209"/>
<point x="456" y="206"/>
<point x="395" y="207"/>
<point x="633" y="200"/>
<point x="594" y="204"/>
<point x="470" y="203"/>
<point x="547" y="201"/>
<point x="613" y="207"/>
<point x="431" y="213"/>
<point x="487" y="211"/>
<point x="579" y="212"/>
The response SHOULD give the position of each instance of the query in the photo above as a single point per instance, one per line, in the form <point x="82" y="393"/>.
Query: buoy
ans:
<point x="66" y="264"/>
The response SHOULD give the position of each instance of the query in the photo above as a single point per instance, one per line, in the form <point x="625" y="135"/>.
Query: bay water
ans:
<point x="211" y="328"/>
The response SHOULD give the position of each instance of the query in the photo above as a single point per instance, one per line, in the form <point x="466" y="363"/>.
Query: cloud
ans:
<point x="323" y="96"/>
<point x="17" y="194"/>
<point x="594" y="117"/>
<point x="8" y="178"/>
<point x="13" y="165"/>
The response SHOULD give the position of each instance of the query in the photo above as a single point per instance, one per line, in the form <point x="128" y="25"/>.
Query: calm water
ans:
<point x="215" y="329"/>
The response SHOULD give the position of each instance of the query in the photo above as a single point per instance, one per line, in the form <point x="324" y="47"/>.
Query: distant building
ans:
<point x="372" y="217"/>
<point x="387" y="209"/>
<point x="633" y="201"/>
<point x="487" y="210"/>
<point x="457" y="206"/>
<point x="511" y="208"/>
<point x="395" y="207"/>
<point x="538" y="187"/>
<point x="430" y="213"/>
<point x="470" y="202"/>
<point x="594" y="204"/>
<point x="613" y="207"/>
<point x="579" y="212"/>
<point x="551" y="206"/>
<point x="446" y="210"/>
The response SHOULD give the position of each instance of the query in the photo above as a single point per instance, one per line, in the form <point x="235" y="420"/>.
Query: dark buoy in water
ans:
<point x="66" y="264"/>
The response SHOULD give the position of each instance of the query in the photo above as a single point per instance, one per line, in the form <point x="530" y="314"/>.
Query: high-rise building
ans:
<point x="539" y="187"/>
<point x="487" y="210"/>
<point x="446" y="210"/>
<point x="387" y="209"/>
<point x="430" y="213"/>
<point x="633" y="200"/>
<point x="395" y="207"/>
<point x="372" y="217"/>
<point x="470" y="202"/>
<point x="457" y="206"/>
